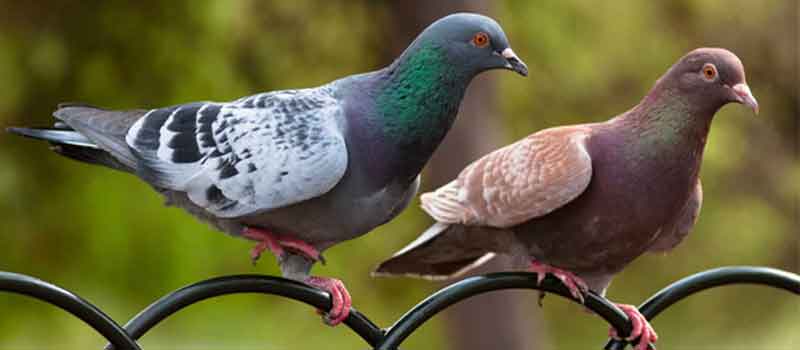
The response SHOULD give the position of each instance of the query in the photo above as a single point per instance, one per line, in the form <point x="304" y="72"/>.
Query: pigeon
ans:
<point x="298" y="171"/>
<point x="583" y="201"/>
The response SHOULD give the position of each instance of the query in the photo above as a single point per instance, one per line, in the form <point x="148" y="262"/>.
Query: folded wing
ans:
<point x="233" y="159"/>
<point x="514" y="184"/>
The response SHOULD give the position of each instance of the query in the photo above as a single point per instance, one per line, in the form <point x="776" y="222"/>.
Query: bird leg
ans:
<point x="340" y="298"/>
<point x="577" y="287"/>
<point x="641" y="328"/>
<point x="277" y="244"/>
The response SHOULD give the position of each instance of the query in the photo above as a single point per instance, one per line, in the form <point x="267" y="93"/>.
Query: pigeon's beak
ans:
<point x="513" y="62"/>
<point x="745" y="97"/>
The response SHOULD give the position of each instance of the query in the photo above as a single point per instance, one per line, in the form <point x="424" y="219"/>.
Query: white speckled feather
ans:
<point x="254" y="154"/>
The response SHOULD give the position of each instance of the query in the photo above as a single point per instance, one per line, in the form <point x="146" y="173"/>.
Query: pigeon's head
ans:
<point x="714" y="77"/>
<point x="474" y="43"/>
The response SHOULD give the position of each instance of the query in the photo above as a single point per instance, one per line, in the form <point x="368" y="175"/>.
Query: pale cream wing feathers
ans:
<point x="524" y="180"/>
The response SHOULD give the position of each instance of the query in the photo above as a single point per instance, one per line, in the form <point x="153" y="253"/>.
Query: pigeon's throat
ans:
<point x="670" y="117"/>
<point x="667" y="130"/>
<point x="420" y="97"/>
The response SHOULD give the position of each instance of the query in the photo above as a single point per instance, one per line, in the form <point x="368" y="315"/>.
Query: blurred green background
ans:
<point x="106" y="236"/>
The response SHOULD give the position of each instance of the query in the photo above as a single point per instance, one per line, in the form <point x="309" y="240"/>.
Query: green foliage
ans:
<point x="106" y="235"/>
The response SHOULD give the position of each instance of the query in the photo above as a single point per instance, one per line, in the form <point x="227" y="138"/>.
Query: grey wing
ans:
<point x="674" y="233"/>
<point x="255" y="154"/>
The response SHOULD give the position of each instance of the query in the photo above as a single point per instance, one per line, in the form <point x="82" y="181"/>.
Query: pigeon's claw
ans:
<point x="641" y="328"/>
<point x="266" y="241"/>
<point x="340" y="298"/>
<point x="278" y="244"/>
<point x="577" y="287"/>
<point x="301" y="247"/>
<point x="255" y="253"/>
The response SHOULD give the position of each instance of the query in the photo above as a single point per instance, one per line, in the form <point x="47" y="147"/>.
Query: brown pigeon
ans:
<point x="583" y="201"/>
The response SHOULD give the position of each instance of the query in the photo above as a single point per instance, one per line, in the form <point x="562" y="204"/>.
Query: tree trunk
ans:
<point x="500" y="320"/>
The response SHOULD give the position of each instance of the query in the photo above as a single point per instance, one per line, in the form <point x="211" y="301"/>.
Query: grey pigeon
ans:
<point x="299" y="171"/>
<point x="583" y="201"/>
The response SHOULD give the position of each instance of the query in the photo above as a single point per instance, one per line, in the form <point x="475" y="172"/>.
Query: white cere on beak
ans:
<point x="509" y="53"/>
<point x="746" y="96"/>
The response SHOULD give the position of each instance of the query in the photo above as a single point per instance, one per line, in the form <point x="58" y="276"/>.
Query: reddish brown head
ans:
<point x="711" y="78"/>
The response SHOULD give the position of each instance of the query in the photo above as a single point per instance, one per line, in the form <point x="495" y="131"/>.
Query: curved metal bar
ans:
<point x="709" y="279"/>
<point x="69" y="302"/>
<point x="408" y="323"/>
<point x="220" y="286"/>
<point x="472" y="286"/>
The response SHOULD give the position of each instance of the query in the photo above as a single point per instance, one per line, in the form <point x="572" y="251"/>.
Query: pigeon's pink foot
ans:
<point x="641" y="328"/>
<point x="577" y="287"/>
<point x="340" y="298"/>
<point x="277" y="244"/>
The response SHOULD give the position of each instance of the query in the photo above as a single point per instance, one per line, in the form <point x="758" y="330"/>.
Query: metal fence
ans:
<point x="124" y="338"/>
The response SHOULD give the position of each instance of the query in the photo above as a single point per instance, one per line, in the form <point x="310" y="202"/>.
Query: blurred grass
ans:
<point x="107" y="237"/>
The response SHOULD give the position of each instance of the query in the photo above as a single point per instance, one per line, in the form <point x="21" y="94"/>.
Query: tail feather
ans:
<point x="91" y="156"/>
<point x="106" y="129"/>
<point x="72" y="144"/>
<point x="89" y="134"/>
<point x="442" y="252"/>
<point x="55" y="135"/>
<point x="76" y="104"/>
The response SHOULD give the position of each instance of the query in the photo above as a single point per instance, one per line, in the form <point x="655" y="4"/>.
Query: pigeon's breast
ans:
<point x="616" y="219"/>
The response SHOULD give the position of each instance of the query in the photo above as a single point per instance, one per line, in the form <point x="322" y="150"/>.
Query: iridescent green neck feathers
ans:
<point x="420" y="97"/>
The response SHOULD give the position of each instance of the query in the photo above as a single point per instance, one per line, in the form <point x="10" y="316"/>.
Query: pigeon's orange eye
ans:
<point x="709" y="71"/>
<point x="480" y="39"/>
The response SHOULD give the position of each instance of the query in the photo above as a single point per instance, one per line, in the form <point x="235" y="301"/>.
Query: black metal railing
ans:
<point x="124" y="338"/>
